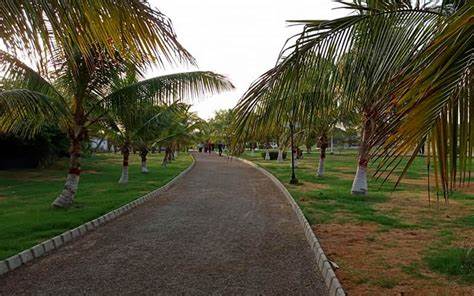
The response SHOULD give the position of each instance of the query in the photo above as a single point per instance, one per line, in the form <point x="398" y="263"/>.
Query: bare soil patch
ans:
<point x="379" y="263"/>
<point x="308" y="186"/>
<point x="467" y="189"/>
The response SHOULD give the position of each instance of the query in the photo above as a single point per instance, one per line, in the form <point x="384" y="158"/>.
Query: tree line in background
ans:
<point x="78" y="66"/>
<point x="401" y="70"/>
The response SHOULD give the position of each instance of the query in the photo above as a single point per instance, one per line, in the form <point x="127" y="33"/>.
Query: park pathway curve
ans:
<point x="223" y="229"/>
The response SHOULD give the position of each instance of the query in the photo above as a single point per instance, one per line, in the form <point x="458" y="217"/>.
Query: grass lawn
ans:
<point x="26" y="217"/>
<point x="391" y="242"/>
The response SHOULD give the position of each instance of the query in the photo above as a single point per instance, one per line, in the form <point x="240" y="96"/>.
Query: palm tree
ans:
<point x="289" y="98"/>
<point x="322" y="127"/>
<point x="154" y="122"/>
<point x="432" y="104"/>
<point x="136" y="127"/>
<point x="183" y="128"/>
<point x="129" y="99"/>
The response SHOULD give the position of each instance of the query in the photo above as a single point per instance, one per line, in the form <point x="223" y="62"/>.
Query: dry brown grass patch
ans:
<point x="308" y="186"/>
<point x="384" y="254"/>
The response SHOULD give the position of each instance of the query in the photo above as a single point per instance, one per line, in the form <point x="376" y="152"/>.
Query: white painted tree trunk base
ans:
<point x="124" y="177"/>
<point x="321" y="167"/>
<point x="144" y="167"/>
<point x="267" y="155"/>
<point x="66" y="198"/>
<point x="280" y="156"/>
<point x="176" y="153"/>
<point x="359" y="186"/>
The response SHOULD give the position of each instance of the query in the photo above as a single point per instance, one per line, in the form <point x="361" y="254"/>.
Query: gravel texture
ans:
<point x="224" y="228"/>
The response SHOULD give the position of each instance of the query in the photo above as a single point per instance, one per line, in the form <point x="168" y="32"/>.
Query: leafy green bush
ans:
<point x="274" y="155"/>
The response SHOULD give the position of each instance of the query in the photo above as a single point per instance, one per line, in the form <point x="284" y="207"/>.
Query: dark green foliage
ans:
<point x="41" y="150"/>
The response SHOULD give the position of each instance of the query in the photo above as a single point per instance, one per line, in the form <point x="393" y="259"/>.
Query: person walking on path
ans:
<point x="220" y="147"/>
<point x="209" y="147"/>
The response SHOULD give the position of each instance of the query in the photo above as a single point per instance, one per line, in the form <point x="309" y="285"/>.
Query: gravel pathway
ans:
<point x="224" y="228"/>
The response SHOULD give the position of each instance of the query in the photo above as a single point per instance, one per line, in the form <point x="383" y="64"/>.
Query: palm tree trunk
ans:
<point x="267" y="154"/>
<point x="143" y="154"/>
<point x="359" y="186"/>
<point x="323" y="144"/>
<point x="167" y="157"/>
<point x="280" y="155"/>
<point x="322" y="158"/>
<point x="76" y="135"/>
<point x="126" y="155"/>
<point x="66" y="198"/>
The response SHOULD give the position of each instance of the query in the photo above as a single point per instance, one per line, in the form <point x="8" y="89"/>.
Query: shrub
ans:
<point x="40" y="150"/>
<point x="274" y="155"/>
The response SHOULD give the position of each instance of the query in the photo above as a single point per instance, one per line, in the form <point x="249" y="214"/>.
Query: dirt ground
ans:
<point x="389" y="262"/>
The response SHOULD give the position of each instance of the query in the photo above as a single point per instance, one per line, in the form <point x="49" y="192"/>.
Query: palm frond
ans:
<point x="433" y="105"/>
<point x="130" y="27"/>
<point x="168" y="89"/>
<point x="15" y="74"/>
<point x="24" y="112"/>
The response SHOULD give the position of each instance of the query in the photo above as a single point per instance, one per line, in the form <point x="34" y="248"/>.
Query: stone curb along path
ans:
<point x="324" y="266"/>
<point x="56" y="242"/>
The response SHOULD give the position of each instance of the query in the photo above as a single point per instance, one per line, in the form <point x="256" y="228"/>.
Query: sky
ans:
<point x="239" y="39"/>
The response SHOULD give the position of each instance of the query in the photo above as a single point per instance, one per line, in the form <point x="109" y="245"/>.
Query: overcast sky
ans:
<point x="239" y="39"/>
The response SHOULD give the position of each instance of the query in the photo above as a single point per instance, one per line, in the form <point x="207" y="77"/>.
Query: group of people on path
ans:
<point x="210" y="147"/>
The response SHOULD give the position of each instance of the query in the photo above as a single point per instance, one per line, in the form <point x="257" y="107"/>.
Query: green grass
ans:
<point x="456" y="262"/>
<point x="327" y="203"/>
<point x="26" y="217"/>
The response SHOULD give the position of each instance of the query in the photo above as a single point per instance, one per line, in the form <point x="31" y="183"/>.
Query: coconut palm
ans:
<point x="313" y="107"/>
<point x="182" y="129"/>
<point x="323" y="126"/>
<point x="154" y="122"/>
<point x="129" y="99"/>
<point x="130" y="129"/>
<point x="432" y="103"/>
